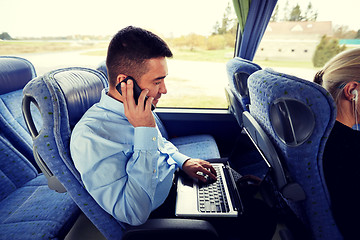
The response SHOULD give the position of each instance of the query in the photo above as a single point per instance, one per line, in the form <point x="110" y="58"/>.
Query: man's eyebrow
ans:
<point x="159" y="78"/>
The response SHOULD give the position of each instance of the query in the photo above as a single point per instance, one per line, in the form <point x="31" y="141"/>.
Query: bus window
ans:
<point x="76" y="33"/>
<point x="302" y="35"/>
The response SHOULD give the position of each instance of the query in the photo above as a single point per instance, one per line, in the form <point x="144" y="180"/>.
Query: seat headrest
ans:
<point x="102" y="68"/>
<point x="239" y="70"/>
<point x="81" y="88"/>
<point x="15" y="72"/>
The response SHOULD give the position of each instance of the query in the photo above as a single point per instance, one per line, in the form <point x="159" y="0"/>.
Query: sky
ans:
<point x="106" y="17"/>
<point x="344" y="12"/>
<point x="36" y="18"/>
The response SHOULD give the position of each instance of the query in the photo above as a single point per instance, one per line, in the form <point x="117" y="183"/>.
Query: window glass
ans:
<point x="56" y="34"/>
<point x="303" y="35"/>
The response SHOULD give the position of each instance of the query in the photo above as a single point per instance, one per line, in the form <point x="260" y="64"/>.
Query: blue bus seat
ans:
<point x="298" y="116"/>
<point x="63" y="96"/>
<point x="15" y="72"/>
<point x="239" y="70"/>
<point x="28" y="208"/>
<point x="195" y="146"/>
<point x="102" y="68"/>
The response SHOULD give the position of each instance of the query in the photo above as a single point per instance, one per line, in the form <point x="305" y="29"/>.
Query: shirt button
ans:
<point x="154" y="171"/>
<point x="154" y="138"/>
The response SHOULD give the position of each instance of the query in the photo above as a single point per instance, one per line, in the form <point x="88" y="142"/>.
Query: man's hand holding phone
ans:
<point x="139" y="115"/>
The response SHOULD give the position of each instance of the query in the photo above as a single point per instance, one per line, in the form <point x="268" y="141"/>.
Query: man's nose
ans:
<point x="163" y="89"/>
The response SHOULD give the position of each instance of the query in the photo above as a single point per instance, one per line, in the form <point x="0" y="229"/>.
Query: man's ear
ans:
<point x="120" y="78"/>
<point x="349" y="91"/>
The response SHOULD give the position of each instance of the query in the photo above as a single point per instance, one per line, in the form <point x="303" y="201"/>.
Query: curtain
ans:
<point x="241" y="9"/>
<point x="253" y="16"/>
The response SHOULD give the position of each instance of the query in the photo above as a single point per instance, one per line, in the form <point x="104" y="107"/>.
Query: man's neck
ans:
<point x="114" y="94"/>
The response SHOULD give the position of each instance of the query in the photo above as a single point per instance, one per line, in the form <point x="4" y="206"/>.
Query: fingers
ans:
<point x="210" y="172"/>
<point x="143" y="101"/>
<point x="200" y="177"/>
<point x="129" y="99"/>
<point x="124" y="94"/>
<point x="208" y="169"/>
<point x="149" y="104"/>
<point x="195" y="166"/>
<point x="137" y="115"/>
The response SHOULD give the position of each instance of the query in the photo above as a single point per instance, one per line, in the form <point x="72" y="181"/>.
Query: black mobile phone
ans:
<point x="137" y="90"/>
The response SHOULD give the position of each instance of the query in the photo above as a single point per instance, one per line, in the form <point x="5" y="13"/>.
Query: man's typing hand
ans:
<point x="193" y="166"/>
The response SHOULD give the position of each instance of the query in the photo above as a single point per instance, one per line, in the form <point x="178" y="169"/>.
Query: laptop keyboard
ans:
<point x="212" y="197"/>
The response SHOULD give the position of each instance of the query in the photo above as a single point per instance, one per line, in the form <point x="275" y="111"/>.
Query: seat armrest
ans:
<point x="172" y="228"/>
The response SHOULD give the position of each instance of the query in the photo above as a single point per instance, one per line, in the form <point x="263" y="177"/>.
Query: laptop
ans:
<point x="218" y="199"/>
<point x="193" y="198"/>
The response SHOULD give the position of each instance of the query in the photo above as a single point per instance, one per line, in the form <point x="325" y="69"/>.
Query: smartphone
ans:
<point x="137" y="90"/>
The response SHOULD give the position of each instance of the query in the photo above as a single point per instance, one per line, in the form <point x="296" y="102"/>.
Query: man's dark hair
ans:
<point x="129" y="49"/>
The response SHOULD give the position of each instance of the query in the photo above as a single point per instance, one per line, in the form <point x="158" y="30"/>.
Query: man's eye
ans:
<point x="157" y="83"/>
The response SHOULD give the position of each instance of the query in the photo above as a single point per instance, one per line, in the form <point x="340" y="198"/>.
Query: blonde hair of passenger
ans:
<point x="340" y="70"/>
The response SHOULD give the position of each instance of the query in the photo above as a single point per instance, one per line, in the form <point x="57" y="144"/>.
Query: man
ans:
<point x="125" y="163"/>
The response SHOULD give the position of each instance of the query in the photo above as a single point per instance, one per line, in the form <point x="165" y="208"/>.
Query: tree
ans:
<point x="286" y="11"/>
<point x="325" y="50"/>
<point x="274" y="16"/>
<point x="295" y="15"/>
<point x="228" y="24"/>
<point x="215" y="42"/>
<point x="216" y="28"/>
<point x="358" y="34"/>
<point x="310" y="14"/>
<point x="5" y="36"/>
<point x="191" y="41"/>
<point x="343" y="32"/>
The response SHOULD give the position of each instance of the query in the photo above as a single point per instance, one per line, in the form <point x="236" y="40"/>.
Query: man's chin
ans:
<point x="155" y="102"/>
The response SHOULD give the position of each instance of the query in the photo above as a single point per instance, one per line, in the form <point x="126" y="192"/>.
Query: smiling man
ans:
<point x="124" y="162"/>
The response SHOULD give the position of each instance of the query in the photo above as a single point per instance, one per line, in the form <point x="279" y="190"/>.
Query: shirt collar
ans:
<point x="110" y="103"/>
<point x="114" y="105"/>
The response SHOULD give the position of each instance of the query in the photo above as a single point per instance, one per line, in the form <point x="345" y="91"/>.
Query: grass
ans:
<point x="192" y="95"/>
<point x="222" y="55"/>
<point x="99" y="49"/>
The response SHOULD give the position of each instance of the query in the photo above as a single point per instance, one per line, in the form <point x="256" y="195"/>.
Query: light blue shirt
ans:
<point x="127" y="170"/>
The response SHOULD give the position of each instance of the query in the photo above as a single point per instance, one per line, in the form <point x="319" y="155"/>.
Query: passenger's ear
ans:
<point x="120" y="78"/>
<point x="349" y="91"/>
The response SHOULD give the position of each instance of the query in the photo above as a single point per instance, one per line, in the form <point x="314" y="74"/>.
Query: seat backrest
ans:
<point x="62" y="96"/>
<point x="15" y="72"/>
<point x="239" y="70"/>
<point x="298" y="116"/>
